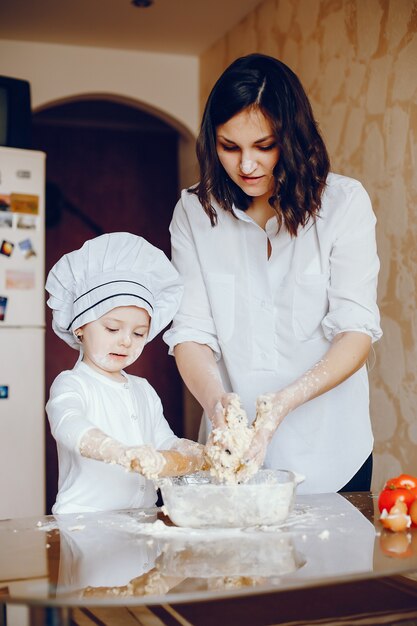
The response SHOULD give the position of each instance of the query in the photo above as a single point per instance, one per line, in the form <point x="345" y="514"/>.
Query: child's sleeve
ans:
<point x="163" y="435"/>
<point x="66" y="410"/>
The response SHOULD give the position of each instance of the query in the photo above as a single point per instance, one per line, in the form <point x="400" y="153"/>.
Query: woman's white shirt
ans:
<point x="269" y="320"/>
<point x="130" y="412"/>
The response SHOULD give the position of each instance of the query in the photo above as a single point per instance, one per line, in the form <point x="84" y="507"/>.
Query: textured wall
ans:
<point x="357" y="60"/>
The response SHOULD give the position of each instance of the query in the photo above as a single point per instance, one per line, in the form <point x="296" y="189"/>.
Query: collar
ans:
<point x="86" y="369"/>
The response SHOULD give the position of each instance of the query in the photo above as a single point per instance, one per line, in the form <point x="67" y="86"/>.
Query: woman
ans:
<point x="279" y="262"/>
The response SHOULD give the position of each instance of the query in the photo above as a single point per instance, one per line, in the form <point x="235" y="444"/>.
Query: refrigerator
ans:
<point x="22" y="332"/>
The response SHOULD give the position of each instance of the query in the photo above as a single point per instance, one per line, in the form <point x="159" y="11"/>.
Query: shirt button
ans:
<point x="126" y="385"/>
<point x="134" y="417"/>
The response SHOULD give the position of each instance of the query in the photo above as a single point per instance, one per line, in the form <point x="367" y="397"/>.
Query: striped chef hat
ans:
<point x="116" y="269"/>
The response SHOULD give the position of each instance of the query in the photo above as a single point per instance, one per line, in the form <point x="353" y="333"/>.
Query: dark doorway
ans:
<point x="110" y="167"/>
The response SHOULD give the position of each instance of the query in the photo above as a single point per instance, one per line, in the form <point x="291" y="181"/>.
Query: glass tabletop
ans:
<point x="139" y="557"/>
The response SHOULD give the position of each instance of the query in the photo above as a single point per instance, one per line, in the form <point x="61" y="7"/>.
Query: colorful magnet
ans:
<point x="17" y="279"/>
<point x="3" y="307"/>
<point x="6" y="248"/>
<point x="24" y="203"/>
<point x="4" y="392"/>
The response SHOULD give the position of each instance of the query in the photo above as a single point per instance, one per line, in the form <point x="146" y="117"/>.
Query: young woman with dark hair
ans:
<point x="278" y="258"/>
<point x="264" y="84"/>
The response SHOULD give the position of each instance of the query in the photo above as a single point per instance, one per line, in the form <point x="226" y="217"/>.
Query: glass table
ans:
<point x="137" y="557"/>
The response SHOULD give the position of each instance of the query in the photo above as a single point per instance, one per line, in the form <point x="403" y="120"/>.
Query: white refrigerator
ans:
<point x="22" y="332"/>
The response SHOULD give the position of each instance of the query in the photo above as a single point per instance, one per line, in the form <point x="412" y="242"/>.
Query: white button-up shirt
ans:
<point x="269" y="320"/>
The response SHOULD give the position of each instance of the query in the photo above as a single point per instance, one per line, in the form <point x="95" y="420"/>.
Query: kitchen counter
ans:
<point x="132" y="558"/>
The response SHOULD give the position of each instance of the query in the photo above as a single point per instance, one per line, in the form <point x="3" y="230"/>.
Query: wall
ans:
<point x="357" y="61"/>
<point x="163" y="82"/>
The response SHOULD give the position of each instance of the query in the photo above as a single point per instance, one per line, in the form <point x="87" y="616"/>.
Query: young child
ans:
<point x="110" y="298"/>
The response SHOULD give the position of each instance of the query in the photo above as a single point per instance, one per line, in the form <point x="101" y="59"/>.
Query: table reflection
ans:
<point x="104" y="551"/>
<point x="132" y="556"/>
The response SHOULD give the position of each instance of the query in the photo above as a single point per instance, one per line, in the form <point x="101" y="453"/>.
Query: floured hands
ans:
<point x="218" y="419"/>
<point x="271" y="409"/>
<point x="145" y="460"/>
<point x="95" y="444"/>
<point x="220" y="410"/>
<point x="228" y="441"/>
<point x="187" y="458"/>
<point x="184" y="457"/>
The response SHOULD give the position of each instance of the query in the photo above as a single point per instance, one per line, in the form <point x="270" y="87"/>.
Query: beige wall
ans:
<point x="165" y="83"/>
<point x="357" y="60"/>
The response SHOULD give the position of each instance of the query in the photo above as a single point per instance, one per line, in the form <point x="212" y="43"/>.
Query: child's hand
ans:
<point x="178" y="463"/>
<point x="185" y="457"/>
<point x="145" y="460"/>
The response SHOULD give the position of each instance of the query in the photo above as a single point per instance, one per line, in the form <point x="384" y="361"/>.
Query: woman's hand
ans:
<point x="218" y="413"/>
<point x="228" y="441"/>
<point x="218" y="418"/>
<point x="271" y="409"/>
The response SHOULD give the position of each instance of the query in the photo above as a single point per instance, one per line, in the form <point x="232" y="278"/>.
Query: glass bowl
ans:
<point x="200" y="501"/>
<point x="247" y="554"/>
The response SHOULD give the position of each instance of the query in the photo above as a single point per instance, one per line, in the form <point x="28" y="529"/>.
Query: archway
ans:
<point x="111" y="166"/>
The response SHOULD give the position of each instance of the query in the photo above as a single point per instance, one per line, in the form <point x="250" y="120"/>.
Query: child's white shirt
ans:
<point x="130" y="412"/>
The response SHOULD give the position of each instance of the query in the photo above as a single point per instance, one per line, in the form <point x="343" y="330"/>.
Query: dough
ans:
<point x="227" y="447"/>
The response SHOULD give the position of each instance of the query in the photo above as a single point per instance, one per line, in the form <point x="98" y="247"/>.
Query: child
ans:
<point x="110" y="298"/>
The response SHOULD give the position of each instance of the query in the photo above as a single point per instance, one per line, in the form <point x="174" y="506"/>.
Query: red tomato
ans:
<point x="403" y="481"/>
<point x="389" y="496"/>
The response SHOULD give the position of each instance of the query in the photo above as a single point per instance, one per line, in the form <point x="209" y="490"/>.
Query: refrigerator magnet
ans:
<point x="24" y="203"/>
<point x="17" y="279"/>
<point x="5" y="202"/>
<point x="6" y="247"/>
<point x="26" y="221"/>
<point x="4" y="392"/>
<point x="3" y="307"/>
<point x="6" y="220"/>
<point x="26" y="248"/>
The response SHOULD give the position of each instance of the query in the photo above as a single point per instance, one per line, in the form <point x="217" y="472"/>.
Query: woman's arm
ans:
<point x="198" y="368"/>
<point x="347" y="354"/>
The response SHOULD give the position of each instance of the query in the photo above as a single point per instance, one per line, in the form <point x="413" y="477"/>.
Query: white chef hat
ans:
<point x="116" y="269"/>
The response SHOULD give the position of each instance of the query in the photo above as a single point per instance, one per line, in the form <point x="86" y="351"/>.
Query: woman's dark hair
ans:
<point x="263" y="82"/>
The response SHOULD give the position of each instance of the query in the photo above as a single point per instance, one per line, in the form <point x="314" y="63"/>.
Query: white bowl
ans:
<point x="200" y="501"/>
